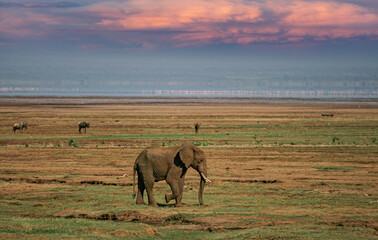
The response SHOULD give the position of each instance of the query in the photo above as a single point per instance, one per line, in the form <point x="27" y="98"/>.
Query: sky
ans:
<point x="144" y="44"/>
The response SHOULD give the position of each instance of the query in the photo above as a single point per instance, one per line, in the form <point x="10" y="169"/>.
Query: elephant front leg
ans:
<point x="177" y="190"/>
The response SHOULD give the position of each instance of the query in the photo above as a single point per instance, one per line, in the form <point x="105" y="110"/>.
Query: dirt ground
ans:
<point x="272" y="164"/>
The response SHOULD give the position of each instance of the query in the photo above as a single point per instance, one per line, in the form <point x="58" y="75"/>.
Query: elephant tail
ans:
<point x="134" y="171"/>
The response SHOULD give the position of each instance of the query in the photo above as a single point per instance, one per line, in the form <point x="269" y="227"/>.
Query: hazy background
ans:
<point x="123" y="47"/>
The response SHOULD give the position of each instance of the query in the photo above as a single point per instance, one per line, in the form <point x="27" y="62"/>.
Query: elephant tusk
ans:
<point x="205" y="178"/>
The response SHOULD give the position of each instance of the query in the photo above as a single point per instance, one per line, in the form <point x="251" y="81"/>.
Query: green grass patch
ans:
<point x="351" y="186"/>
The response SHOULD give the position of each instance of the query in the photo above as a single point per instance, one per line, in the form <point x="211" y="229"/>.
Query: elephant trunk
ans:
<point x="204" y="179"/>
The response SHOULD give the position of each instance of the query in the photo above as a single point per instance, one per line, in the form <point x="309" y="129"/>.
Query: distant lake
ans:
<point x="322" y="94"/>
<point x="196" y="77"/>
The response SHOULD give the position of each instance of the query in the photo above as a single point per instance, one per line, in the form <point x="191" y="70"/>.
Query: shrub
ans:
<point x="198" y="144"/>
<point x="334" y="139"/>
<point x="72" y="143"/>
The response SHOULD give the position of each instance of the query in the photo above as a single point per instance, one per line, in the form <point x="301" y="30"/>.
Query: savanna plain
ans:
<point x="279" y="170"/>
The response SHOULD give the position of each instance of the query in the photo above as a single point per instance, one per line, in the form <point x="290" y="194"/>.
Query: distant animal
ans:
<point x="196" y="127"/>
<point x="169" y="164"/>
<point x="84" y="125"/>
<point x="327" y="115"/>
<point x="20" y="125"/>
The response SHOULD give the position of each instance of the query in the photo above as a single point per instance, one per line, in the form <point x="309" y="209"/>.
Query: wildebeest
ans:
<point x="84" y="125"/>
<point x="196" y="127"/>
<point x="19" y="125"/>
<point x="327" y="115"/>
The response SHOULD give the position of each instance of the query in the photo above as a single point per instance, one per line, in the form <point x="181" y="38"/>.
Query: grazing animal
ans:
<point x="196" y="127"/>
<point x="327" y="115"/>
<point x="169" y="164"/>
<point x="84" y="125"/>
<point x="20" y="125"/>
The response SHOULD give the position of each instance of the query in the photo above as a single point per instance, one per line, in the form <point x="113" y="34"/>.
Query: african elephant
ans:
<point x="169" y="164"/>
<point x="19" y="125"/>
<point x="84" y="125"/>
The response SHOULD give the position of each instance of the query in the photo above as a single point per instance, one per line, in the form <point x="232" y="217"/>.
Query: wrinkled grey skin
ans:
<point x="20" y="125"/>
<point x="169" y="164"/>
<point x="84" y="125"/>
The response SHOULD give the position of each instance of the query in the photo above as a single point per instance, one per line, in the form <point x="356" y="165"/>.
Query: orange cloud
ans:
<point x="333" y="14"/>
<point x="199" y="22"/>
<point x="325" y="19"/>
<point x="242" y="22"/>
<point x="174" y="15"/>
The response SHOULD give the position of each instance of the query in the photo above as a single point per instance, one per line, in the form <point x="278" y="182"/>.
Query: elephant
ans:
<point x="19" y="125"/>
<point x="170" y="164"/>
<point x="84" y="125"/>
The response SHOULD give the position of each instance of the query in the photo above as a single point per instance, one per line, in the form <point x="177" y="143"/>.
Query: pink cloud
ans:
<point x="174" y="15"/>
<point x="199" y="22"/>
<point x="242" y="22"/>
<point x="324" y="20"/>
<point x="327" y="13"/>
<point x="27" y="24"/>
<point x="17" y="26"/>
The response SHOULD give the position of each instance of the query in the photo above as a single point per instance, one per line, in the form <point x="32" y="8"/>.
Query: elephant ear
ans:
<point x="187" y="155"/>
<point x="198" y="154"/>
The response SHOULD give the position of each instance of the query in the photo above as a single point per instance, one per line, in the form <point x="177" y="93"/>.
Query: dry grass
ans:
<point x="278" y="171"/>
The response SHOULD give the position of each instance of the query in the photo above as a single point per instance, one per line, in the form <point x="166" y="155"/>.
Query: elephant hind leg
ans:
<point x="141" y="189"/>
<point x="149" y="185"/>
